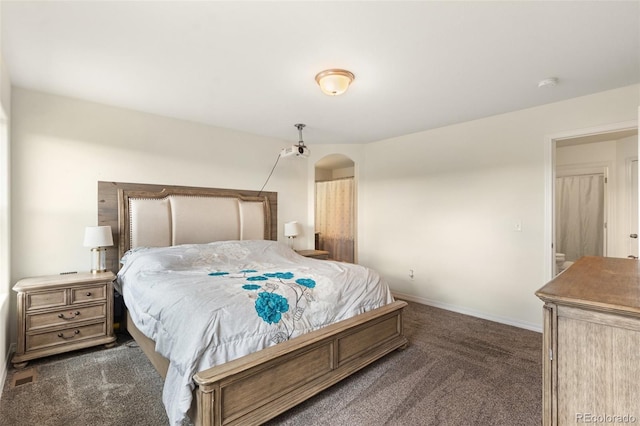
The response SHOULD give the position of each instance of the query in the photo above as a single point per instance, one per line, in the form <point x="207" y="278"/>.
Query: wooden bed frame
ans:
<point x="257" y="387"/>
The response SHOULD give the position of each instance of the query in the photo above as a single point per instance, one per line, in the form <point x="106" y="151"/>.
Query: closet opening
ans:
<point x="335" y="207"/>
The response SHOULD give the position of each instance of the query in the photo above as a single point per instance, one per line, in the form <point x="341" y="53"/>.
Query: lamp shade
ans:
<point x="291" y="229"/>
<point x="334" y="82"/>
<point x="98" y="236"/>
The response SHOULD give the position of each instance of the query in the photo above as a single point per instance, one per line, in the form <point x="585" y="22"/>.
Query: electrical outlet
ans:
<point x="518" y="226"/>
<point x="411" y="274"/>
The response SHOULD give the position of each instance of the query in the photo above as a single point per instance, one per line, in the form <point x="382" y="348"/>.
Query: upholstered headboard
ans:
<point x="161" y="215"/>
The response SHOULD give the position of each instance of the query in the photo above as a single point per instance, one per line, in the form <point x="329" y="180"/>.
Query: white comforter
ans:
<point x="206" y="304"/>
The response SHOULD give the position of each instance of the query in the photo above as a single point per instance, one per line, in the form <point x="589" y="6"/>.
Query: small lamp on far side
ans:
<point x="98" y="238"/>
<point x="291" y="230"/>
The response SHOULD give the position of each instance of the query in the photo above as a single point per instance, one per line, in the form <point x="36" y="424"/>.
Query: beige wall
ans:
<point x="62" y="147"/>
<point x="445" y="203"/>
<point x="5" y="234"/>
<point x="331" y="174"/>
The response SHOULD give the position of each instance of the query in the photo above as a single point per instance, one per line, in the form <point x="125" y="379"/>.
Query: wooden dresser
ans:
<point x="315" y="254"/>
<point x="60" y="313"/>
<point x="591" y="343"/>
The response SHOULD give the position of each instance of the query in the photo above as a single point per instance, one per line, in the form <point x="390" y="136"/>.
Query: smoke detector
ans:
<point x="548" y="82"/>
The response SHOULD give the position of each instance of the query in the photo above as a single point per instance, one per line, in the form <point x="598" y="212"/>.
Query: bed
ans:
<point x="157" y="220"/>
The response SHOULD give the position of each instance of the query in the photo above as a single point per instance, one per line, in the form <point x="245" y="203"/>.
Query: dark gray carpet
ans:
<point x="90" y="387"/>
<point x="457" y="370"/>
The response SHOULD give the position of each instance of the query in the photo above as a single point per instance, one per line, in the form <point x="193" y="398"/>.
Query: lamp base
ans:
<point x="98" y="260"/>
<point x="290" y="241"/>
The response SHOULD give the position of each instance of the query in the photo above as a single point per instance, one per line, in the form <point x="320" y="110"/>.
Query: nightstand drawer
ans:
<point x="61" y="313"/>
<point x="48" y="299"/>
<point x="65" y="316"/>
<point x="65" y="336"/>
<point x="87" y="294"/>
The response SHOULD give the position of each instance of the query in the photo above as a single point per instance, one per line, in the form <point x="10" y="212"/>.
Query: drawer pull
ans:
<point x="73" y="315"/>
<point x="61" y="335"/>
<point x="88" y="293"/>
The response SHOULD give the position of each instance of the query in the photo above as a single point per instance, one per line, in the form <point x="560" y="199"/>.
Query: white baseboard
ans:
<point x="470" y="312"/>
<point x="5" y="366"/>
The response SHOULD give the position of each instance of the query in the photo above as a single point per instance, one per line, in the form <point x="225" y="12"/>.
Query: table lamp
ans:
<point x="291" y="230"/>
<point x="98" y="238"/>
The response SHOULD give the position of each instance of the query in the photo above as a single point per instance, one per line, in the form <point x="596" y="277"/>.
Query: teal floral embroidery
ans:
<point x="280" y="275"/>
<point x="257" y="278"/>
<point x="307" y="282"/>
<point x="270" y="306"/>
<point x="251" y="287"/>
<point x="269" y="289"/>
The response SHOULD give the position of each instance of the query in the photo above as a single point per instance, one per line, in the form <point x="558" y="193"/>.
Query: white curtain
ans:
<point x="580" y="216"/>
<point x="335" y="203"/>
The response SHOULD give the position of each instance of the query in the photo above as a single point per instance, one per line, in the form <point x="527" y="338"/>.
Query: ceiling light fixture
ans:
<point x="334" y="82"/>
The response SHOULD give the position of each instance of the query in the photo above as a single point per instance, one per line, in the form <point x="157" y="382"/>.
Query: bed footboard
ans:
<point x="259" y="386"/>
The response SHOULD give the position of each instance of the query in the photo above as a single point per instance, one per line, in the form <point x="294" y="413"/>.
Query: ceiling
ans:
<point x="250" y="66"/>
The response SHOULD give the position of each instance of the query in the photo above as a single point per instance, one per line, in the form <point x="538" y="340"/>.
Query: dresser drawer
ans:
<point x="65" y="336"/>
<point x="65" y="316"/>
<point x="46" y="299"/>
<point x="87" y="294"/>
<point x="61" y="313"/>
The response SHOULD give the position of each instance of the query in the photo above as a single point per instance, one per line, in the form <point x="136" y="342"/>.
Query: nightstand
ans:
<point x="60" y="313"/>
<point x="316" y="254"/>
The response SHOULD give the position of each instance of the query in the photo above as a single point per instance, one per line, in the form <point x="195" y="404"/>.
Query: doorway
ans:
<point x="581" y="213"/>
<point x="632" y="196"/>
<point x="335" y="207"/>
<point x="602" y="159"/>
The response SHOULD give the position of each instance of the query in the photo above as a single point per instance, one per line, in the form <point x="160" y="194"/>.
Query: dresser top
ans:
<point x="601" y="283"/>
<point x="312" y="252"/>
<point x="62" y="280"/>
